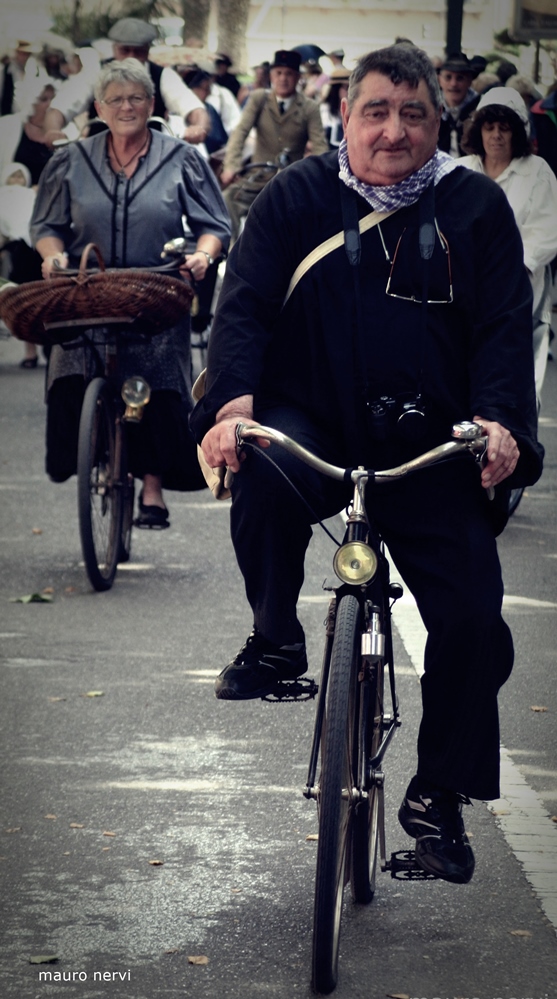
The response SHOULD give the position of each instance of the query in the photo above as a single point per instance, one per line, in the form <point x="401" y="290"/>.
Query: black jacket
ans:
<point x="477" y="355"/>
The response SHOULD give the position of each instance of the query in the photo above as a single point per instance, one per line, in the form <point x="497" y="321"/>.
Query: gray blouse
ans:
<point x="81" y="200"/>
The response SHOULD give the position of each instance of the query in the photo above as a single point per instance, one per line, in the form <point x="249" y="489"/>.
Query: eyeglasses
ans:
<point x="117" y="102"/>
<point x="442" y="278"/>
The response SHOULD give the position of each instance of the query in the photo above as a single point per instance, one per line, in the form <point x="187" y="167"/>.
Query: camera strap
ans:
<point x="426" y="241"/>
<point x="353" y="247"/>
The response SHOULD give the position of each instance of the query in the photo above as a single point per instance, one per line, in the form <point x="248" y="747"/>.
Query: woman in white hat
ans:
<point x="497" y="137"/>
<point x="329" y="107"/>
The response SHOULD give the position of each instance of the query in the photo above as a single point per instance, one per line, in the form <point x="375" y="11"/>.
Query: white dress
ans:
<point x="531" y="188"/>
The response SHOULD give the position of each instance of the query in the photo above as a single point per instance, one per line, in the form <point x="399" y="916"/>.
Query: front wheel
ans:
<point x="99" y="488"/>
<point x="335" y="803"/>
<point x="367" y="707"/>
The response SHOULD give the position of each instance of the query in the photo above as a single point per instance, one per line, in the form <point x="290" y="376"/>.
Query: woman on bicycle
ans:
<point x="128" y="190"/>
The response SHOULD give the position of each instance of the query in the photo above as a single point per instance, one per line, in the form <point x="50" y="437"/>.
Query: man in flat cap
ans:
<point x="459" y="98"/>
<point x="283" y="119"/>
<point x="132" y="38"/>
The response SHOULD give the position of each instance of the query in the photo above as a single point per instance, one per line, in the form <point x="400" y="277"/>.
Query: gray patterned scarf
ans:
<point x="406" y="192"/>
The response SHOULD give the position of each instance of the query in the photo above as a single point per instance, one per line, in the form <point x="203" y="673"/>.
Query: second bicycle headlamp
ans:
<point x="136" y="394"/>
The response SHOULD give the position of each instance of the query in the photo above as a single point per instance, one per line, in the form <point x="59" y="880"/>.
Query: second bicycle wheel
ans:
<point x="99" y="488"/>
<point x="334" y="797"/>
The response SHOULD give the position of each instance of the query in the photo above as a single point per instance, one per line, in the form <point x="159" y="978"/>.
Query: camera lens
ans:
<point x="412" y="424"/>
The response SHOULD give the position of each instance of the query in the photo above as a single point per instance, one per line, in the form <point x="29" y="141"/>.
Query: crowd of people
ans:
<point x="407" y="144"/>
<point x="289" y="109"/>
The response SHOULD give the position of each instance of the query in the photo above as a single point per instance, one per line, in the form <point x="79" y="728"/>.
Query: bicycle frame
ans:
<point x="467" y="437"/>
<point x="352" y="730"/>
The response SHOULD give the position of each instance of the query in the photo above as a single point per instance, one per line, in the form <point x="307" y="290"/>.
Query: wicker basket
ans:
<point x="153" y="299"/>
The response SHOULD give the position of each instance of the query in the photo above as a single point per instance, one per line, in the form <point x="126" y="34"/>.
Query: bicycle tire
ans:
<point x="128" y="498"/>
<point x="100" y="501"/>
<point x="367" y="705"/>
<point x="335" y="810"/>
<point x="514" y="499"/>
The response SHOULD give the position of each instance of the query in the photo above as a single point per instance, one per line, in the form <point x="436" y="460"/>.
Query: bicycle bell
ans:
<point x="175" y="247"/>
<point x="467" y="431"/>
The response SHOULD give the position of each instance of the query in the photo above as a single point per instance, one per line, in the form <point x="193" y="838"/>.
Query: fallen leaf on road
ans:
<point x="554" y="818"/>
<point x="312" y="836"/>
<point x="36" y="530"/>
<point x="198" y="959"/>
<point x="94" y="693"/>
<point x="54" y="699"/>
<point x="107" y="833"/>
<point x="76" y="825"/>
<point x="537" y="707"/>
<point x="521" y="933"/>
<point x="173" y="950"/>
<point x="503" y="811"/>
<point x="44" y="959"/>
<point x="398" y="995"/>
<point x="15" y="829"/>
<point x="51" y="816"/>
<point x="32" y="598"/>
<point x="48" y="589"/>
<point x="156" y="863"/>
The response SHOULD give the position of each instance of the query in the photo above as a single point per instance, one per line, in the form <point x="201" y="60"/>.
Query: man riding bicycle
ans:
<point x="376" y="346"/>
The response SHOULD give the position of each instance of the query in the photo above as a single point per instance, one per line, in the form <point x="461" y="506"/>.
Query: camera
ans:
<point x="403" y="417"/>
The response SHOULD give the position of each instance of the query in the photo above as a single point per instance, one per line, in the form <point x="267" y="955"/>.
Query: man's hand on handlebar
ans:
<point x="502" y="453"/>
<point x="226" y="177"/>
<point x="220" y="444"/>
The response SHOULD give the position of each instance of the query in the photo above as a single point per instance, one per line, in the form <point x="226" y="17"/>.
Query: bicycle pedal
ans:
<point x="302" y="689"/>
<point x="403" y="867"/>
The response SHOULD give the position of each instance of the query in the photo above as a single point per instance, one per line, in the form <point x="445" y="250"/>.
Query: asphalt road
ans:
<point x="153" y="768"/>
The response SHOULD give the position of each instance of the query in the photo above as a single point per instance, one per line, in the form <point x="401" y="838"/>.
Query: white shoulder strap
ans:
<point x="367" y="222"/>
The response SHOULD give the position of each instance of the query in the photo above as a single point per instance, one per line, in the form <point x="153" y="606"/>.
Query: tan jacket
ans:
<point x="275" y="131"/>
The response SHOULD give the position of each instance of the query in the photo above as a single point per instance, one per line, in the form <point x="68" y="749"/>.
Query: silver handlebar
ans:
<point x="467" y="436"/>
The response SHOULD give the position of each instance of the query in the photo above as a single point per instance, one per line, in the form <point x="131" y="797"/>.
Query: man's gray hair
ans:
<point x="401" y="64"/>
<point x="124" y="71"/>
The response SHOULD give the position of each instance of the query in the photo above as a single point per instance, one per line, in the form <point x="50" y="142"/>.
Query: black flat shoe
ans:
<point x="29" y="362"/>
<point x="153" y="518"/>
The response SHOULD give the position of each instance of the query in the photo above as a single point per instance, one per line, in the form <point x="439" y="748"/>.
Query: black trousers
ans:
<point x="437" y="528"/>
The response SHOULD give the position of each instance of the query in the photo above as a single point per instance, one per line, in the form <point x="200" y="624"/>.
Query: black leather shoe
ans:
<point x="153" y="518"/>
<point x="434" y="819"/>
<point x="258" y="667"/>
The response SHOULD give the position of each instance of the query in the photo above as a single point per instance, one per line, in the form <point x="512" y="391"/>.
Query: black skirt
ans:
<point x="162" y="444"/>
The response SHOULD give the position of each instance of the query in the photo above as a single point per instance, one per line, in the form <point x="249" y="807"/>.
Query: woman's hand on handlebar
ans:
<point x="54" y="262"/>
<point x="502" y="453"/>
<point x="195" y="264"/>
